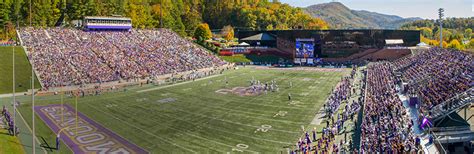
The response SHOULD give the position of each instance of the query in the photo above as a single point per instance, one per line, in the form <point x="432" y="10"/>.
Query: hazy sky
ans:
<point x="404" y="8"/>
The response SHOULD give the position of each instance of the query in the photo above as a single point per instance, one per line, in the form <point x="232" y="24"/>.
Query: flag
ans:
<point x="426" y="122"/>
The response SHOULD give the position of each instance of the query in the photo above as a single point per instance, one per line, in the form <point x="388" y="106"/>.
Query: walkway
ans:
<point x="427" y="148"/>
<point x="353" y="127"/>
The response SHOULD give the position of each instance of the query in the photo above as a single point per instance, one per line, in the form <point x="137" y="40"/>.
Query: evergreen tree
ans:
<point x="203" y="31"/>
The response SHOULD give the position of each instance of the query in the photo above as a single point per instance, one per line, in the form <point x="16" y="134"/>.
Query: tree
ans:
<point x="10" y="30"/>
<point x="446" y="34"/>
<point x="471" y="44"/>
<point x="191" y="18"/>
<point x="140" y="13"/>
<point x="454" y="44"/>
<point x="453" y="28"/>
<point x="318" y="24"/>
<point x="426" y="32"/>
<point x="203" y="31"/>
<point x="182" y="16"/>
<point x="269" y="27"/>
<point x="445" y="44"/>
<point x="247" y="19"/>
<point x="228" y="32"/>
<point x="468" y="33"/>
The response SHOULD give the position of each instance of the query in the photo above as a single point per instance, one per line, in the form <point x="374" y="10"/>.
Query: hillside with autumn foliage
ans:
<point x="183" y="16"/>
<point x="457" y="32"/>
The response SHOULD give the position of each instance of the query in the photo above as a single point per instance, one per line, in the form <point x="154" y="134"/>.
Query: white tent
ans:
<point x="422" y="44"/>
<point x="393" y="41"/>
<point x="244" y="44"/>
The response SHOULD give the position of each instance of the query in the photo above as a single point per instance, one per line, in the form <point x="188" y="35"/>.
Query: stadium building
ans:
<point x="410" y="103"/>
<point x="107" y="23"/>
<point x="308" y="46"/>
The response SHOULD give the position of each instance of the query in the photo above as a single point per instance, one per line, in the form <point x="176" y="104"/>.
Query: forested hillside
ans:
<point x="457" y="32"/>
<point x="340" y="16"/>
<point x="182" y="16"/>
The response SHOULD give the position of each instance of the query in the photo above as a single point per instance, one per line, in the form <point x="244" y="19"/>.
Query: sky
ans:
<point x="427" y="9"/>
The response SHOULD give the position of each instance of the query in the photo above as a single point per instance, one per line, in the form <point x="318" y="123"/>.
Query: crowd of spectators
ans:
<point x="437" y="74"/>
<point x="7" y="43"/>
<point x="64" y="57"/>
<point x="340" y="93"/>
<point x="386" y="126"/>
<point x="7" y="117"/>
<point x="326" y="142"/>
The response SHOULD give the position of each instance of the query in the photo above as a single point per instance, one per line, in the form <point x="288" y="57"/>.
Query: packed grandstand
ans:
<point x="376" y="93"/>
<point x="387" y="126"/>
<point x="64" y="57"/>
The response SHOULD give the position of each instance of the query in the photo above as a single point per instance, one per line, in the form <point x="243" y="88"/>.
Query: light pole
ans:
<point x="14" y="100"/>
<point x="30" y="12"/>
<point x="441" y="15"/>
<point x="161" y="13"/>
<point x="33" y="99"/>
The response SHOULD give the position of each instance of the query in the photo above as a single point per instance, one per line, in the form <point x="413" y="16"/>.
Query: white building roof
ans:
<point x="394" y="41"/>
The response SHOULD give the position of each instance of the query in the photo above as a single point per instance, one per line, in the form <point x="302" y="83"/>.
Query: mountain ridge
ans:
<point x="340" y="16"/>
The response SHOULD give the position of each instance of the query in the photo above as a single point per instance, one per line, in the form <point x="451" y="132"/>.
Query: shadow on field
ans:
<point x="46" y="146"/>
<point x="357" y="130"/>
<point x="4" y="133"/>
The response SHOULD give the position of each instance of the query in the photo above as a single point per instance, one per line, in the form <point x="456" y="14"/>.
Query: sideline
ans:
<point x="171" y="85"/>
<point x="31" y="131"/>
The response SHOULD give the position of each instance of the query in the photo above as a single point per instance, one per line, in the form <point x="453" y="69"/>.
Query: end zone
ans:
<point x="91" y="137"/>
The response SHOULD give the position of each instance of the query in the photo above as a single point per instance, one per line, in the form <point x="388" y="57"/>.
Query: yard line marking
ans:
<point x="255" y="104"/>
<point x="260" y="104"/>
<point x="237" y="123"/>
<point x="268" y="140"/>
<point x="186" y="132"/>
<point x="149" y="133"/>
<point x="317" y="114"/>
<point x="193" y="123"/>
<point x="171" y="85"/>
<point x="243" y="113"/>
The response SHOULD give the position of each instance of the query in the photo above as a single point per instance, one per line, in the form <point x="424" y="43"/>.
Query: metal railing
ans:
<point x="453" y="104"/>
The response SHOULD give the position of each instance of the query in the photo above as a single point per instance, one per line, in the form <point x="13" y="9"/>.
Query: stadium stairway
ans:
<point x="455" y="134"/>
<point x="453" y="104"/>
<point x="47" y="34"/>
<point x="463" y="136"/>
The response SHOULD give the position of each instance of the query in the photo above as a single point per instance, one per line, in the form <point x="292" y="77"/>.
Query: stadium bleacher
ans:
<point x="386" y="127"/>
<point x="64" y="57"/>
<point x="441" y="78"/>
<point x="437" y="75"/>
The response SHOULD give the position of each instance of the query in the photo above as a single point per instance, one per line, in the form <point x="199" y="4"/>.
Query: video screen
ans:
<point x="304" y="48"/>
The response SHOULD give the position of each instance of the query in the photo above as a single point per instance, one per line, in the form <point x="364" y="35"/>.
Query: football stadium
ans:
<point x="105" y="84"/>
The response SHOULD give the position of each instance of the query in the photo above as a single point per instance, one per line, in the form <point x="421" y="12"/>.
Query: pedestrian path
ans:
<point x="427" y="148"/>
<point x="352" y="127"/>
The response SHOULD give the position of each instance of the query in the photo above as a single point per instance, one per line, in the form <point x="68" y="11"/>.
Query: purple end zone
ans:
<point x="92" y="138"/>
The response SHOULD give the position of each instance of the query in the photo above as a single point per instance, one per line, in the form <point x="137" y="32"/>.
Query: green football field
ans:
<point x="195" y="118"/>
<point x="22" y="71"/>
